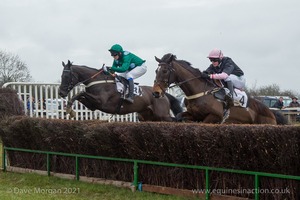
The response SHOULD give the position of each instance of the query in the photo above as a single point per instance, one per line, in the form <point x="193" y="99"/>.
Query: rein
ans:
<point x="182" y="82"/>
<point x="195" y="96"/>
<point x="93" y="76"/>
<point x="96" y="74"/>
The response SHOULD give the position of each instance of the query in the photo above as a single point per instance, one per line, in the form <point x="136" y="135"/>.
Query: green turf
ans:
<point x="16" y="186"/>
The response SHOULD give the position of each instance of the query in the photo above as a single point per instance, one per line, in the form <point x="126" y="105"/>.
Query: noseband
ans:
<point x="71" y="82"/>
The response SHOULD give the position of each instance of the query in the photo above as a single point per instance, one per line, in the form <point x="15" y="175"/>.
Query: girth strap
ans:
<point x="99" y="82"/>
<point x="195" y="96"/>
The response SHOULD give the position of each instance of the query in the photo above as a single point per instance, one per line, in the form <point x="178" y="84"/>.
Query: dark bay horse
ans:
<point x="202" y="106"/>
<point x="101" y="93"/>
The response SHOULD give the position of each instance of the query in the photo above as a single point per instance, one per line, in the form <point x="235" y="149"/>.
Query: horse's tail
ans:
<point x="280" y="119"/>
<point x="175" y="104"/>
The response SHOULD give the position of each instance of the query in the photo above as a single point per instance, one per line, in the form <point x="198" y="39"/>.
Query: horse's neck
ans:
<point x="97" y="87"/>
<point x="193" y="84"/>
<point x="88" y="75"/>
<point x="81" y="73"/>
<point x="194" y="87"/>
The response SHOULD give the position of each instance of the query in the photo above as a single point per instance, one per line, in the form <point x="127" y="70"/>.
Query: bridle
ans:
<point x="167" y="83"/>
<point x="172" y="70"/>
<point x="71" y="84"/>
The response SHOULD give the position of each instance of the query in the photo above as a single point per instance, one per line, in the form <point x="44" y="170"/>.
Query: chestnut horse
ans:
<point x="201" y="104"/>
<point x="101" y="93"/>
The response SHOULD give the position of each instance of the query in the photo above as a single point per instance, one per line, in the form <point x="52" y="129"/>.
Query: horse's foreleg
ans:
<point x="71" y="112"/>
<point x="213" y="119"/>
<point x="184" y="117"/>
<point x="69" y="109"/>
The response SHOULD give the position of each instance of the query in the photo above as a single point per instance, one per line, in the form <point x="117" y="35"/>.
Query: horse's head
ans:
<point x="164" y="74"/>
<point x="170" y="70"/>
<point x="67" y="80"/>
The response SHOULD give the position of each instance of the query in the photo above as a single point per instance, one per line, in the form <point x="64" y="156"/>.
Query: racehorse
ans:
<point x="202" y="106"/>
<point x="101" y="93"/>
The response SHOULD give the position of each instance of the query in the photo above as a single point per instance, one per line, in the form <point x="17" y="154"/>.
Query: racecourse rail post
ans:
<point x="4" y="160"/>
<point x="207" y="193"/>
<point x="77" y="167"/>
<point x="135" y="174"/>
<point x="256" y="185"/>
<point x="48" y="164"/>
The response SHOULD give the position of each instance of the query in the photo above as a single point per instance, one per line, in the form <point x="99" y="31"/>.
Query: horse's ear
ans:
<point x="157" y="59"/>
<point x="63" y="64"/>
<point x="69" y="63"/>
<point x="170" y="57"/>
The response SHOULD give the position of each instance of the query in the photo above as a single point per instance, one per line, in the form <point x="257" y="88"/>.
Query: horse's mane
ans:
<point x="70" y="64"/>
<point x="188" y="66"/>
<point x="168" y="58"/>
<point x="90" y="72"/>
<point x="85" y="67"/>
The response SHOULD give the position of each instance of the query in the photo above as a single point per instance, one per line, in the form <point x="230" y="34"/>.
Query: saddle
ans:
<point x="222" y="93"/>
<point x="122" y="87"/>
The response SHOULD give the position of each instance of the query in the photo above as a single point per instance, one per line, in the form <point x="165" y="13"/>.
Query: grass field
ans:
<point x="30" y="186"/>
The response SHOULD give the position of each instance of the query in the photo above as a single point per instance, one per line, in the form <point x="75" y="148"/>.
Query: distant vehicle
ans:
<point x="54" y="106"/>
<point x="271" y="100"/>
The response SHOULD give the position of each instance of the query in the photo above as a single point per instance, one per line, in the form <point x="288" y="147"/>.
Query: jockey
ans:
<point x="223" y="68"/>
<point x="127" y="65"/>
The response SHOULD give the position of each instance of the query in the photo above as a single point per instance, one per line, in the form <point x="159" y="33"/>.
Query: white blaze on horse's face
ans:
<point x="165" y="75"/>
<point x="161" y="82"/>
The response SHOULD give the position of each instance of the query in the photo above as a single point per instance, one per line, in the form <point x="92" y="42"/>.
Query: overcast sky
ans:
<point x="261" y="36"/>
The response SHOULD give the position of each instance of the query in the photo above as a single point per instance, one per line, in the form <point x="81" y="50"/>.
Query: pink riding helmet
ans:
<point x="215" y="53"/>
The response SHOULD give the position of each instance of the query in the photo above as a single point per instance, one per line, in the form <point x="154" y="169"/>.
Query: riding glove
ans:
<point x="205" y="75"/>
<point x="105" y="68"/>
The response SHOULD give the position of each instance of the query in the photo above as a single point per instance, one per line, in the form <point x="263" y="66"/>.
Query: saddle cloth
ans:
<point x="137" y="91"/>
<point x="240" y="98"/>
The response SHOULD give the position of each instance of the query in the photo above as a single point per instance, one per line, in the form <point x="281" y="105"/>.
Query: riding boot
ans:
<point x="230" y="101"/>
<point x="130" y="91"/>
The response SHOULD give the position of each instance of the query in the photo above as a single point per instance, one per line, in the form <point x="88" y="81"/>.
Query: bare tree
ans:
<point x="270" y="90"/>
<point x="12" y="69"/>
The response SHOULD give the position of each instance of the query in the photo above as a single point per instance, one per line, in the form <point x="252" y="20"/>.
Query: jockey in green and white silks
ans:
<point x="127" y="65"/>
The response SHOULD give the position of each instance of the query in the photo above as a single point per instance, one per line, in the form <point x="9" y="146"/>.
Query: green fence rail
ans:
<point x="135" y="163"/>
<point x="1" y="152"/>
